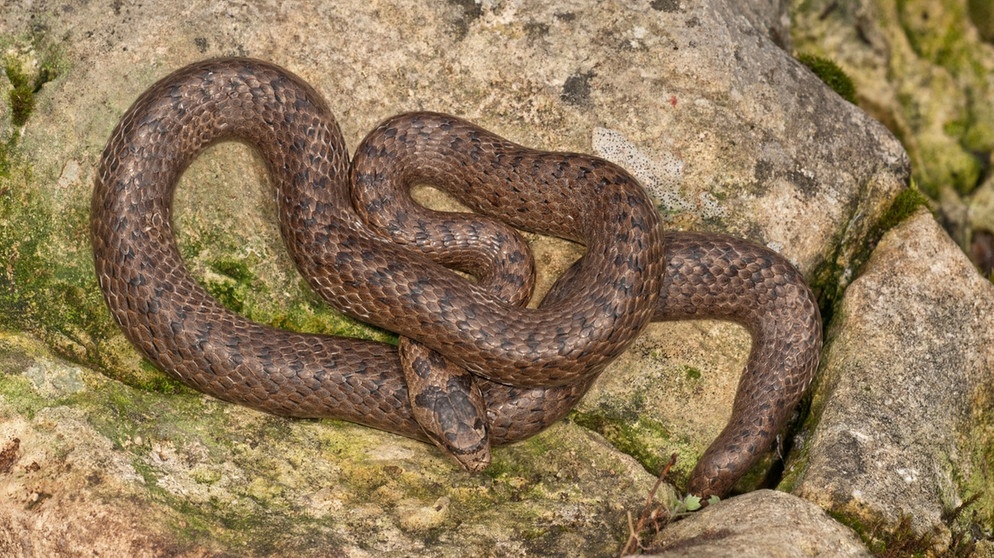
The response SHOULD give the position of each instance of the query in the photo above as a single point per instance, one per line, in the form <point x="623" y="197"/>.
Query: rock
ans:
<point x="761" y="524"/>
<point x="901" y="423"/>
<point x="980" y="216"/>
<point x="89" y="465"/>
<point x="723" y="127"/>
<point x="921" y="68"/>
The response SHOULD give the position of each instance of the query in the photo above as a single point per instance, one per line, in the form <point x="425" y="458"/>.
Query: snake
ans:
<point x="452" y="286"/>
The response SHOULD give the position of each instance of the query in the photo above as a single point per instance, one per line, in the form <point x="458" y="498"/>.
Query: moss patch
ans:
<point x="38" y="284"/>
<point x="830" y="279"/>
<point x="18" y="392"/>
<point x="231" y="280"/>
<point x="21" y="97"/>
<point x="887" y="540"/>
<point x="28" y="63"/>
<point x="977" y="486"/>
<point x="692" y="373"/>
<point x="904" y="205"/>
<point x="253" y="511"/>
<point x="937" y="32"/>
<point x="637" y="436"/>
<point x="830" y="73"/>
<point x="881" y="541"/>
<point x="47" y="285"/>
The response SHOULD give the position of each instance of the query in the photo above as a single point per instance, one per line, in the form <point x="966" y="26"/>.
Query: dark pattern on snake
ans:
<point x="531" y="365"/>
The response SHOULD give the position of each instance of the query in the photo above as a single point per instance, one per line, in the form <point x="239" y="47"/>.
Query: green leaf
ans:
<point x="692" y="503"/>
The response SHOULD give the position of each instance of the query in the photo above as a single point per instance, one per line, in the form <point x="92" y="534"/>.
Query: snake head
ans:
<point x="456" y="426"/>
<point x="448" y="404"/>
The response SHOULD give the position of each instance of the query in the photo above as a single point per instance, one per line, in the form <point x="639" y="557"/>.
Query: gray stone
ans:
<point x="761" y="524"/>
<point x="903" y="408"/>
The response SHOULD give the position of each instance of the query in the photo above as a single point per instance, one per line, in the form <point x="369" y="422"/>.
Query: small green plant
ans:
<point x="630" y="436"/>
<point x="656" y="516"/>
<point x="691" y="503"/>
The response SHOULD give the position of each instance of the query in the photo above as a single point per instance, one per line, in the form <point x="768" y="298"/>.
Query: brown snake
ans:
<point x="530" y="365"/>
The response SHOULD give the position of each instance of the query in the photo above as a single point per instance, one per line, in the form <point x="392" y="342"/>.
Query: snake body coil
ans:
<point x="377" y="256"/>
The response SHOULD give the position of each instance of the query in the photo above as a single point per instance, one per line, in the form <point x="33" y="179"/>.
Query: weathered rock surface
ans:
<point x="923" y="68"/>
<point x="915" y="434"/>
<point x="91" y="466"/>
<point x="760" y="524"/>
<point x="904" y="412"/>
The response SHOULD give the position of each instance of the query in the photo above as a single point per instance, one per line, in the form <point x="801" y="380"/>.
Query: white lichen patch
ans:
<point x="661" y="173"/>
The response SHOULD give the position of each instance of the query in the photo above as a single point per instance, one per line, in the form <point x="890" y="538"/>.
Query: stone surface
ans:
<point x="761" y="524"/>
<point x="90" y="466"/>
<point x="922" y="68"/>
<point x="903" y="416"/>
<point x="726" y="130"/>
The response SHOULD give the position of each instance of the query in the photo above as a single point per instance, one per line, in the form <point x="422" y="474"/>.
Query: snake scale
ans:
<point x="504" y="371"/>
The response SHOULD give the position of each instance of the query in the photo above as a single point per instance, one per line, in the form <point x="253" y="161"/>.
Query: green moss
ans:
<point x="22" y="94"/>
<point x="978" y="510"/>
<point x="500" y="467"/>
<point x="236" y="269"/>
<point x="831" y="277"/>
<point x="38" y="284"/>
<point x="633" y="437"/>
<point x="240" y="290"/>
<point x="260" y="524"/>
<point x="937" y="32"/>
<point x="43" y="288"/>
<point x="7" y="152"/>
<point x="954" y="76"/>
<point x="23" y="230"/>
<point x="26" y="84"/>
<point x="945" y="162"/>
<point x="830" y="73"/>
<point x="154" y="380"/>
<point x="18" y="392"/>
<point x="887" y="540"/>
<point x="692" y="373"/>
<point x="978" y="127"/>
<point x="227" y="294"/>
<point x="904" y="205"/>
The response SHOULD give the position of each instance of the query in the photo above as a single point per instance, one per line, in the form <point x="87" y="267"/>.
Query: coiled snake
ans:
<point x="502" y="372"/>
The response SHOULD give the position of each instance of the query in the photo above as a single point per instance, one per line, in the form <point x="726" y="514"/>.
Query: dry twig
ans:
<point x="634" y="543"/>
